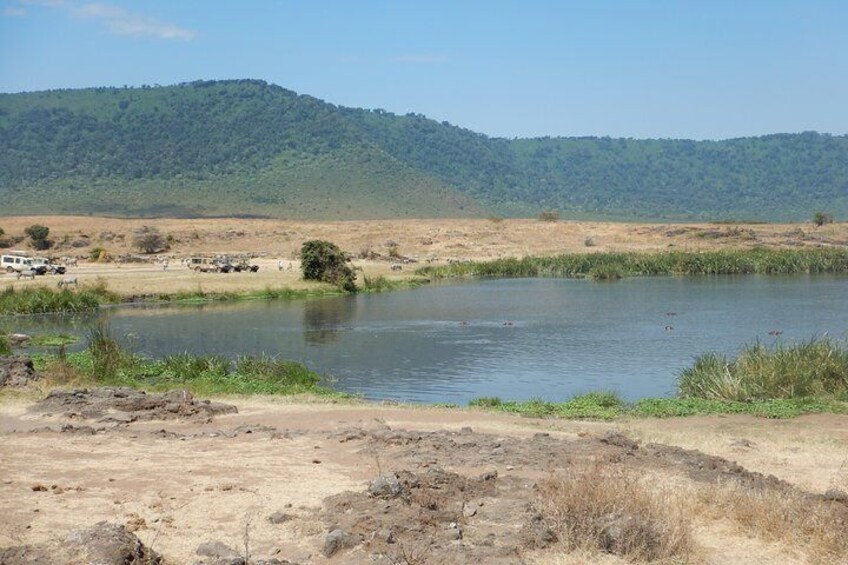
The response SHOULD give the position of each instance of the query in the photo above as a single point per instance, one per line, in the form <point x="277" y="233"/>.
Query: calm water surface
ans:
<point x="510" y="338"/>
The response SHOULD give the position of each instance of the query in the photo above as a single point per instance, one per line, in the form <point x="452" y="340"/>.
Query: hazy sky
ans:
<point x="707" y="69"/>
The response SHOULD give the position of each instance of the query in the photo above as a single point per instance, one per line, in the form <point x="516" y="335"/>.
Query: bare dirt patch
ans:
<point x="370" y="484"/>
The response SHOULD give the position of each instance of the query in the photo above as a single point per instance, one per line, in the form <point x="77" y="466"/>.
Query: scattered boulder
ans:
<point x="338" y="539"/>
<point x="18" y="339"/>
<point x="619" y="533"/>
<point x="386" y="486"/>
<point x="219" y="553"/>
<point x="279" y="517"/>
<point x="16" y="370"/>
<point x="102" y="544"/>
<point x="112" y="544"/>
<point x="619" y="440"/>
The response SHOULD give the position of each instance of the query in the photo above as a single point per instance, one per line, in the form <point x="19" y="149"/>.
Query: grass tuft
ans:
<point x="607" y="509"/>
<point x="815" y="368"/>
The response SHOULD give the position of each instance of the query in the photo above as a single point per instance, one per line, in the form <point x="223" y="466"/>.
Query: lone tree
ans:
<point x="148" y="239"/>
<point x="822" y="218"/>
<point x="324" y="261"/>
<point x="38" y="234"/>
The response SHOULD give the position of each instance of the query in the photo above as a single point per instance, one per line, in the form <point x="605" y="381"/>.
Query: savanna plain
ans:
<point x="91" y="474"/>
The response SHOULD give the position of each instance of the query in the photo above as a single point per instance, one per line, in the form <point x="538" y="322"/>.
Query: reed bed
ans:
<point x="43" y="300"/>
<point x="106" y="362"/>
<point x="610" y="265"/>
<point x="817" y="368"/>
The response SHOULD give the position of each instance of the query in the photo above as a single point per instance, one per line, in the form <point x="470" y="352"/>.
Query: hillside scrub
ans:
<point x="135" y="152"/>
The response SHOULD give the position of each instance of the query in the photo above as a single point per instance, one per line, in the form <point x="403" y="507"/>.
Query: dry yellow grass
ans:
<point x="436" y="240"/>
<point x="607" y="509"/>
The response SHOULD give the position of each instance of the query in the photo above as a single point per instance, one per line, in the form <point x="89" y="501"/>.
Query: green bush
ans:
<point x="38" y="235"/>
<point x="324" y="261"/>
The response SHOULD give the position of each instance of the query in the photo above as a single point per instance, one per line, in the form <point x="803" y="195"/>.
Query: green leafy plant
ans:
<point x="324" y="261"/>
<point x="38" y="236"/>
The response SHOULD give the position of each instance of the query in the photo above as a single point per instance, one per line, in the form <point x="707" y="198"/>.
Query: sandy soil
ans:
<point x="439" y="241"/>
<point x="178" y="483"/>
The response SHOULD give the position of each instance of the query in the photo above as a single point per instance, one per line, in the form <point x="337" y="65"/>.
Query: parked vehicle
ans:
<point x="243" y="265"/>
<point x="15" y="261"/>
<point x="19" y="261"/>
<point x="43" y="266"/>
<point x="215" y="264"/>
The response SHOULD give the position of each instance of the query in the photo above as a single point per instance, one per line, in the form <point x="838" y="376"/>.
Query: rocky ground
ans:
<point x="117" y="476"/>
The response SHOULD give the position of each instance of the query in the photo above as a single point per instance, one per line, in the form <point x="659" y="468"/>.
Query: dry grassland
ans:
<point x="436" y="241"/>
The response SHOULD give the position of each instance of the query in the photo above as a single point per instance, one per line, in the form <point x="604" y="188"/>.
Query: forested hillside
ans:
<point x="249" y="148"/>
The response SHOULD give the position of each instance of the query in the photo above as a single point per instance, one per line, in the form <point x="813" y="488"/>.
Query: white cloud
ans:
<point x="122" y="22"/>
<point x="116" y="19"/>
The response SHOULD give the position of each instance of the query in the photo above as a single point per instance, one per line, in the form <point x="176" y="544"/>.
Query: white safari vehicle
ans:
<point x="16" y="261"/>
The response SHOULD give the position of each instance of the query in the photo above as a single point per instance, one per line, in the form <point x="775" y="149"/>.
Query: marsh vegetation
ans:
<point x="610" y="265"/>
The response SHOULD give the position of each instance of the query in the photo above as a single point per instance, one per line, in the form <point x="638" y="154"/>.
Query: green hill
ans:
<point x="248" y="148"/>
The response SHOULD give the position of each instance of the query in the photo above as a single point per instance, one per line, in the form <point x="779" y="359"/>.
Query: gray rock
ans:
<point x="112" y="544"/>
<point x="385" y="536"/>
<point x="338" y="539"/>
<point x="18" y="339"/>
<point x="16" y="370"/>
<point x="279" y="517"/>
<point x="386" y="486"/>
<point x="221" y="553"/>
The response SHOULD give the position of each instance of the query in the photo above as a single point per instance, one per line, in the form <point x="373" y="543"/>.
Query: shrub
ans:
<point x="822" y="218"/>
<point x="38" y="235"/>
<point x="148" y="239"/>
<point x="549" y="215"/>
<point x="324" y="261"/>
<point x="97" y="254"/>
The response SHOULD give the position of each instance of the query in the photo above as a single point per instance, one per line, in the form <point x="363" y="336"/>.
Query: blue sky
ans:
<point x="710" y="69"/>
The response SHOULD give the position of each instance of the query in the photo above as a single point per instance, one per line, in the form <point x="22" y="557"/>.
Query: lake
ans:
<point x="516" y="338"/>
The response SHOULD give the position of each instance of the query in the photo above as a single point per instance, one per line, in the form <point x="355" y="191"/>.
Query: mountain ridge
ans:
<point x="246" y="147"/>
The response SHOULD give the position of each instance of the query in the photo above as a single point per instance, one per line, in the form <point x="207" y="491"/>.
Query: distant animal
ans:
<point x="669" y="328"/>
<point x="775" y="332"/>
<point x="397" y="267"/>
<point x="67" y="281"/>
<point x="28" y="274"/>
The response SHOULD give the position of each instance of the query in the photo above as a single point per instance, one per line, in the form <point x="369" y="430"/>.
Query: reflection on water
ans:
<point x="510" y="338"/>
<point x="324" y="319"/>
